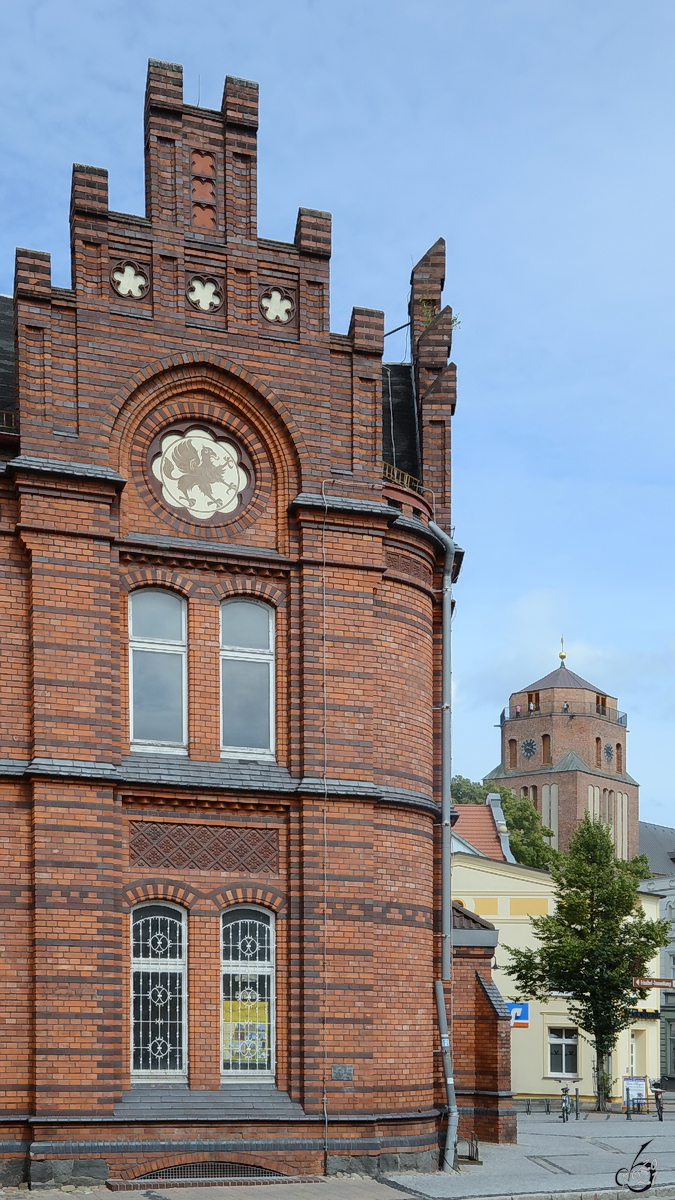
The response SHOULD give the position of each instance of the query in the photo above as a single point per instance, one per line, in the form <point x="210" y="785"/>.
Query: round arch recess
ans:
<point x="215" y="394"/>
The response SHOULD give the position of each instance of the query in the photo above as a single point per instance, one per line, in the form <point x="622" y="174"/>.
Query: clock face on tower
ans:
<point x="609" y="752"/>
<point x="529" y="747"/>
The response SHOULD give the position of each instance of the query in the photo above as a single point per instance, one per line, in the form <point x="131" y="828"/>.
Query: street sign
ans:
<point x="520" y="1013"/>
<point x="648" y="982"/>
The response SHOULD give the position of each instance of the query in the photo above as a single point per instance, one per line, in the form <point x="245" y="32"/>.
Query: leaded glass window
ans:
<point x="247" y="678"/>
<point x="158" y="651"/>
<point x="248" y="992"/>
<point x="158" y="953"/>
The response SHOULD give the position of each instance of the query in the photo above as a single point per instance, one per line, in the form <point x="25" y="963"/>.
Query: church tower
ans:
<point x="564" y="746"/>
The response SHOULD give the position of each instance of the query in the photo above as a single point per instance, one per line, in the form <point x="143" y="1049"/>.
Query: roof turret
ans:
<point x="562" y="677"/>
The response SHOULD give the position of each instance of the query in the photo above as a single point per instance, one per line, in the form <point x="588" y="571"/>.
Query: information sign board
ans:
<point x="520" y="1013"/>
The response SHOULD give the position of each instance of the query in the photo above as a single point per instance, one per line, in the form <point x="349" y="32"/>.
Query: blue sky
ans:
<point x="536" y="137"/>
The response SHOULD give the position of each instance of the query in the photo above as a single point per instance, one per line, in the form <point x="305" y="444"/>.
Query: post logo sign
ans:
<point x="520" y="1013"/>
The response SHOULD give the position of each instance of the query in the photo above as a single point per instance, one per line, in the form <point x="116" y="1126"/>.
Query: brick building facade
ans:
<point x="563" y="744"/>
<point x="221" y="634"/>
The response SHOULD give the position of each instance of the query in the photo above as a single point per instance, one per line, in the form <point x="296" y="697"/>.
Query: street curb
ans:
<point x="664" y="1189"/>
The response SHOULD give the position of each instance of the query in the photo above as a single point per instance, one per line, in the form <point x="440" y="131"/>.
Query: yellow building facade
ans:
<point x="549" y="1048"/>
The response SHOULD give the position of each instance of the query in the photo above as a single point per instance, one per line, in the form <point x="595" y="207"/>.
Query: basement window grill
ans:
<point x="211" y="1170"/>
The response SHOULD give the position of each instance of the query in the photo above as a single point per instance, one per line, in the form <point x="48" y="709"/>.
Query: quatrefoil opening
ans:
<point x="205" y="293"/>
<point x="277" y="306"/>
<point x="130" y="280"/>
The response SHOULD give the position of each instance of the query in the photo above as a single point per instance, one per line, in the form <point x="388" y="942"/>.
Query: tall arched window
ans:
<point x="158" y="669"/>
<point x="247" y="678"/>
<point x="598" y="752"/>
<point x="248" y="992"/>
<point x="546" y="749"/>
<point x="619" y="758"/>
<point x="158" y="962"/>
<point x="513" y="752"/>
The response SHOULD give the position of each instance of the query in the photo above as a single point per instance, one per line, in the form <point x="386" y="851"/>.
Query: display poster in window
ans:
<point x="520" y="1013"/>
<point x="636" y="1085"/>
<point x="246" y="1042"/>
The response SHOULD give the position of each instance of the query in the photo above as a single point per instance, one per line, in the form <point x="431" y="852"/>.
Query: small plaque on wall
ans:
<point x="342" y="1071"/>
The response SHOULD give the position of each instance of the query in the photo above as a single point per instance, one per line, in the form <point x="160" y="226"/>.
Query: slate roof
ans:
<point x="7" y="375"/>
<point x="476" y="825"/>
<point x="463" y="918"/>
<point x="400" y="432"/>
<point x="238" y="1101"/>
<point x="562" y="677"/>
<point x="658" y="843"/>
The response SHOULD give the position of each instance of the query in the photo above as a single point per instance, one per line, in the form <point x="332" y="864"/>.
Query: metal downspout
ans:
<point x="446" y="847"/>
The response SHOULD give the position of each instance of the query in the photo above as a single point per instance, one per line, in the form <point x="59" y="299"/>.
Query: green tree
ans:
<point x="595" y="943"/>
<point x="527" y="836"/>
<point x="465" y="791"/>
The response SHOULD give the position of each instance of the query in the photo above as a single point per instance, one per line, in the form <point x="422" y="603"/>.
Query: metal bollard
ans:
<point x="547" y="1104"/>
<point x="576" y="1104"/>
<point x="628" y="1116"/>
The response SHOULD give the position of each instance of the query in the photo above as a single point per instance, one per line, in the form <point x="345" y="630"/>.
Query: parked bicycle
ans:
<point x="658" y="1097"/>
<point x="565" y="1103"/>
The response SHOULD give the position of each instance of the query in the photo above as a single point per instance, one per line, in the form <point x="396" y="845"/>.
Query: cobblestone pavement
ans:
<point x="559" y="1160"/>
<point x="348" y="1188"/>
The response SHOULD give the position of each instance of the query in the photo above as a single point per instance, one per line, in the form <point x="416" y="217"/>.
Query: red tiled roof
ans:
<point x="476" y="825"/>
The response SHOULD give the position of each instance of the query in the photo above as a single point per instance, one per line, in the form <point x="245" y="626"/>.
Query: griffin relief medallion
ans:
<point x="205" y="475"/>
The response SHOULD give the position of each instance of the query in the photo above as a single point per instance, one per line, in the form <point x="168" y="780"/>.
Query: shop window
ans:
<point x="248" y="993"/>
<point x="158" y="961"/>
<point x="247" y="678"/>
<point x="157" y="669"/>
<point x="562" y="1052"/>
<point x="513" y="753"/>
<point x="546" y="749"/>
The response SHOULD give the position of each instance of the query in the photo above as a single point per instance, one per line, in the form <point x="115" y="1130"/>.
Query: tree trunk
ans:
<point x="600" y="1097"/>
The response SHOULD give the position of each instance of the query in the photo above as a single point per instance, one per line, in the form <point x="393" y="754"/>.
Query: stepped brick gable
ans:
<point x="220" y="618"/>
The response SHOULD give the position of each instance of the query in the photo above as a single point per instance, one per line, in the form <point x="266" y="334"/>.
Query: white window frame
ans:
<point x="269" y="969"/>
<point x="245" y="654"/>
<point x="550" y="1041"/>
<point x="160" y="646"/>
<point x="147" y="964"/>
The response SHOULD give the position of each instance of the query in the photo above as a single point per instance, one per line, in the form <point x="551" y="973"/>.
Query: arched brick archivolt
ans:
<point x="247" y="893"/>
<point x="283" y="1163"/>
<point x="157" y="577"/>
<point x="217" y="392"/>
<point x="161" y="889"/>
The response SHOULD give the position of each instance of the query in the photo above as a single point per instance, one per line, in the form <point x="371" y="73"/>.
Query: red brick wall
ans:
<point x="99" y="377"/>
<point x="482" y="1049"/>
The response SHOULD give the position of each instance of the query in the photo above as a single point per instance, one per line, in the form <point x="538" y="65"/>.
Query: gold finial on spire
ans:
<point x="562" y="656"/>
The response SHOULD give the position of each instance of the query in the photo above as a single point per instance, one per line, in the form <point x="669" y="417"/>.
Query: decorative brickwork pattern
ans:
<point x="158" y="844"/>
<point x="405" y="564"/>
